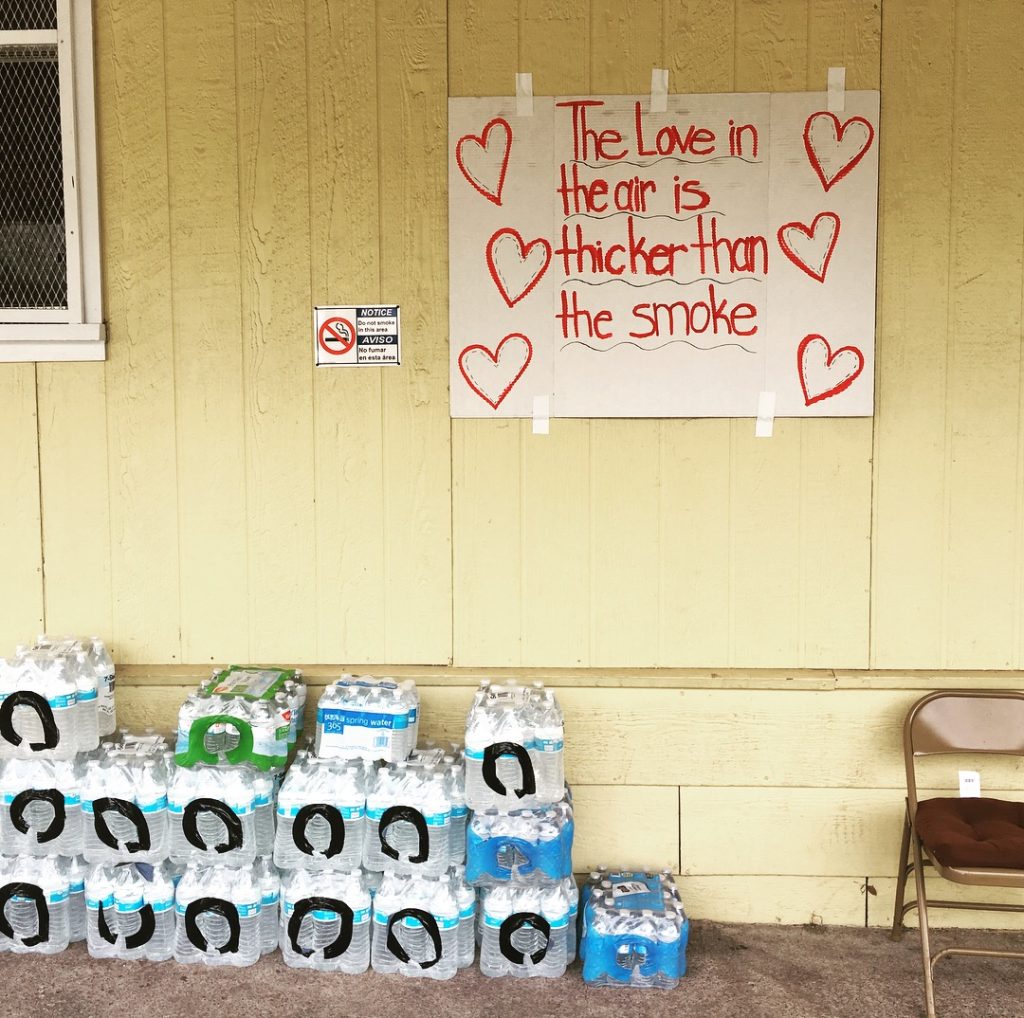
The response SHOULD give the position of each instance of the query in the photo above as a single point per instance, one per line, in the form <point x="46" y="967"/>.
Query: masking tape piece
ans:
<point x="765" y="415"/>
<point x="659" y="89"/>
<point x="970" y="784"/>
<point x="541" y="415"/>
<point x="836" y="89"/>
<point x="524" y="94"/>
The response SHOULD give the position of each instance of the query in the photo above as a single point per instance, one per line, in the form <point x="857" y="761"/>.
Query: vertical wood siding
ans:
<point x="206" y="494"/>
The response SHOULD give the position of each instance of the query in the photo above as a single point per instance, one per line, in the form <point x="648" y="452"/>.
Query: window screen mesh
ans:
<point x="33" y="258"/>
<point x="27" y="15"/>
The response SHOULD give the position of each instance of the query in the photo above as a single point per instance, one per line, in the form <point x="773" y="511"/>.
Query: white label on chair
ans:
<point x="970" y="785"/>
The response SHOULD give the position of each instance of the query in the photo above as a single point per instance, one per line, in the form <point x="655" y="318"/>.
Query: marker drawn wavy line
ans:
<point x="654" y="162"/>
<point x="657" y="215"/>
<point x="651" y="349"/>
<point x="656" y="282"/>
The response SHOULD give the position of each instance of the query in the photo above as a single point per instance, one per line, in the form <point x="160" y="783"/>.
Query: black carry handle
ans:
<point x="21" y="802"/>
<point x="105" y="931"/>
<point x="221" y="810"/>
<point x="307" y="905"/>
<point x="23" y="890"/>
<point x="224" y="909"/>
<point x="143" y="935"/>
<point x="391" y="816"/>
<point x="515" y="922"/>
<point x="26" y="698"/>
<point x="335" y="823"/>
<point x="126" y="809"/>
<point x="428" y="922"/>
<point x="490" y="768"/>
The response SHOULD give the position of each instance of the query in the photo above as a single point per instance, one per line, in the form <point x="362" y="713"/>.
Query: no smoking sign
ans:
<point x="366" y="336"/>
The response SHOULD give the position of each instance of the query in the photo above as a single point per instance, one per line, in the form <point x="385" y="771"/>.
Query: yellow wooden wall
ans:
<point x="206" y="496"/>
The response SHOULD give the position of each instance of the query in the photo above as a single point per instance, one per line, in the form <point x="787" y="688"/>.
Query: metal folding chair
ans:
<point x="975" y="841"/>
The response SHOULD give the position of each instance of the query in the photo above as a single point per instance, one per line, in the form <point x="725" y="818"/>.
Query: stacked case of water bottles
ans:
<point x="56" y="700"/>
<point x="635" y="929"/>
<point x="234" y="737"/>
<point x="520" y="833"/>
<point x="371" y="838"/>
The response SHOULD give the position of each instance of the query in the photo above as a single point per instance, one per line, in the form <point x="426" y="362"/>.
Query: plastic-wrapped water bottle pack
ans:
<point x="321" y="815"/>
<point x="528" y="930"/>
<point x="219" y="814"/>
<point x="220" y="916"/>
<point x="514" y="747"/>
<point x="325" y="920"/>
<point x="40" y="808"/>
<point x="35" y="904"/>
<point x="124" y="803"/>
<point x="409" y="818"/>
<point x="416" y="926"/>
<point x="130" y="911"/>
<point x="242" y="715"/>
<point x="376" y="719"/>
<point x="56" y="698"/>
<point x="635" y="930"/>
<point x="520" y="846"/>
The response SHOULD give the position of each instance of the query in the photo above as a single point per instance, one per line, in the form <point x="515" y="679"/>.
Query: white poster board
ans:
<point x="624" y="263"/>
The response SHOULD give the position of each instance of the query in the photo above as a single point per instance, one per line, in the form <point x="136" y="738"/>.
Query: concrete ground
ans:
<point x="735" y="972"/>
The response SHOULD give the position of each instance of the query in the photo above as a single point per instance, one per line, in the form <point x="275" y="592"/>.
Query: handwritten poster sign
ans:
<point x="625" y="263"/>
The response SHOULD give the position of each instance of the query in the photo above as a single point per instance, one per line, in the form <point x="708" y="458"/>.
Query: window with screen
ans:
<point x="49" y="232"/>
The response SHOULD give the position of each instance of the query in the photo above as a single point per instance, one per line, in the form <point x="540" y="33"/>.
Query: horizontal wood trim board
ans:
<point x="644" y="678"/>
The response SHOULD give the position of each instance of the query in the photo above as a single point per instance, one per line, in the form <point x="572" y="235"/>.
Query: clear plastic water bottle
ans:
<point x="77" y="869"/>
<point x="264" y="786"/>
<point x="87" y="708"/>
<point x="103" y="667"/>
<point x="460" y="810"/>
<point x="270" y="890"/>
<point x="225" y="929"/>
<point x="412" y="699"/>
<point x="466" y="898"/>
<point x="37" y="891"/>
<point x="548" y="746"/>
<point x="296" y="694"/>
<point x="326" y="902"/>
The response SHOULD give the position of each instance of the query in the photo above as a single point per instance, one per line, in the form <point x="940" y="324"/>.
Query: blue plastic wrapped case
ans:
<point x="523" y="846"/>
<point x="635" y="930"/>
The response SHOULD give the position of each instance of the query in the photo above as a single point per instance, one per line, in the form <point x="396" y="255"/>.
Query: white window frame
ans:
<point x="76" y="333"/>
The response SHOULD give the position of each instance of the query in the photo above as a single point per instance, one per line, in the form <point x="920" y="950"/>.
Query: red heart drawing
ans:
<point x="483" y="166"/>
<point x="516" y="267"/>
<point x="808" y="250"/>
<point x="824" y="373"/>
<point x="832" y="152"/>
<point x="492" y="375"/>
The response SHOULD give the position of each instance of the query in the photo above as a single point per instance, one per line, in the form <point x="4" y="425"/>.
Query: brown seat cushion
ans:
<point x="973" y="832"/>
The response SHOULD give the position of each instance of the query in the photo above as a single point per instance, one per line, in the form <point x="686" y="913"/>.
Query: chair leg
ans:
<point x="922" y="918"/>
<point x="901" y="880"/>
